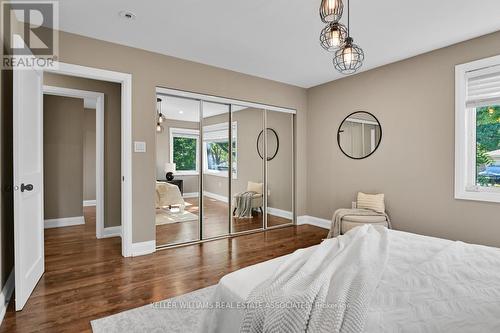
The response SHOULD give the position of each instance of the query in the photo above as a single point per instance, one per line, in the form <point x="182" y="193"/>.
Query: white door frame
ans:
<point x="125" y="80"/>
<point x="99" y="149"/>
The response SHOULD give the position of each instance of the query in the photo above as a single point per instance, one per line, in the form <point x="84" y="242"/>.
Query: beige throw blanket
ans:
<point x="244" y="204"/>
<point x="343" y="212"/>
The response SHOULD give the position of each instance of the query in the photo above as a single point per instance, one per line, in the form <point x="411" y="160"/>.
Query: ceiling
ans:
<point x="178" y="108"/>
<point x="279" y="39"/>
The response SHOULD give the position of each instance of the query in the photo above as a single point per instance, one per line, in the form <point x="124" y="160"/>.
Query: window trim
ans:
<point x="465" y="143"/>
<point x="185" y="133"/>
<point x="215" y="128"/>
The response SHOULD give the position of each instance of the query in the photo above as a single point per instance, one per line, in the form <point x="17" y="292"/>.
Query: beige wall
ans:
<point x="89" y="157"/>
<point x="112" y="138"/>
<point x="62" y="156"/>
<point x="414" y="165"/>
<point x="150" y="70"/>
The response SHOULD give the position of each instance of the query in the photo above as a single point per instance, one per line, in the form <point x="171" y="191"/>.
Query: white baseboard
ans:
<point x="64" y="222"/>
<point x="215" y="196"/>
<point x="111" y="232"/>
<point x="143" y="248"/>
<point x="89" y="203"/>
<point x="190" y="195"/>
<point x="6" y="294"/>
<point x="280" y="213"/>
<point x="316" y="221"/>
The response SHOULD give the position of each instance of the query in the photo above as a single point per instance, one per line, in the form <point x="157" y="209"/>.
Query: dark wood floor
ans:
<point x="86" y="278"/>
<point x="215" y="223"/>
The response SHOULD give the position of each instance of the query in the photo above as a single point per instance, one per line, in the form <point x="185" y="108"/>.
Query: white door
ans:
<point x="28" y="182"/>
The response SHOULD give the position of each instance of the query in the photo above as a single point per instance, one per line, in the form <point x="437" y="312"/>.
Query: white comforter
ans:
<point x="428" y="285"/>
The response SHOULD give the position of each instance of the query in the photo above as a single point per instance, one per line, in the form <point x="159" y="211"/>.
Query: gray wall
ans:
<point x="89" y="157"/>
<point x="414" y="165"/>
<point x="112" y="138"/>
<point x="62" y="156"/>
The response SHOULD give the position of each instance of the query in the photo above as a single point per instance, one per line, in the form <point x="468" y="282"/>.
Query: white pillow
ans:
<point x="255" y="187"/>
<point x="371" y="201"/>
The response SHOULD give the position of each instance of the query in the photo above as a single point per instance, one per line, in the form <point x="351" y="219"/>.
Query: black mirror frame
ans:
<point x="277" y="144"/>
<point x="338" y="135"/>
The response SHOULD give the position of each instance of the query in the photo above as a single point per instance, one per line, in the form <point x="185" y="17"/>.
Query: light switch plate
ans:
<point x="139" y="146"/>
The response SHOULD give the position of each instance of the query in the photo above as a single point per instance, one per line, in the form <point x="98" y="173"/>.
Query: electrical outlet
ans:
<point x="354" y="205"/>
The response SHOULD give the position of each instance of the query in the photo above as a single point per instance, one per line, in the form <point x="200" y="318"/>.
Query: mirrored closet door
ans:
<point x="178" y="165"/>
<point x="247" y="187"/>
<point x="222" y="168"/>
<point x="215" y="160"/>
<point x="279" y="168"/>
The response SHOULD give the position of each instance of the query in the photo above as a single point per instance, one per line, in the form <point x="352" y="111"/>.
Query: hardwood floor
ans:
<point x="215" y="223"/>
<point x="86" y="278"/>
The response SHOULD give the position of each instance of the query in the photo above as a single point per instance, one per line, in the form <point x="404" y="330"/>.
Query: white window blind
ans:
<point x="483" y="87"/>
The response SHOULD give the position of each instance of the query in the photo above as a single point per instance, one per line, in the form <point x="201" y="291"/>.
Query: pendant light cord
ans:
<point x="348" y="20"/>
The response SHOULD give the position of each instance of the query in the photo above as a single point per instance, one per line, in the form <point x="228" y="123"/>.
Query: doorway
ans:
<point x="28" y="170"/>
<point x="219" y="173"/>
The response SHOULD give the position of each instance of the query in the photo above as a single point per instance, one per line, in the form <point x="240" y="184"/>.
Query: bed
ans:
<point x="427" y="285"/>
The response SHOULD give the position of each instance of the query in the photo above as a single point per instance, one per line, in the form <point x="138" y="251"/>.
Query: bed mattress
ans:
<point x="429" y="285"/>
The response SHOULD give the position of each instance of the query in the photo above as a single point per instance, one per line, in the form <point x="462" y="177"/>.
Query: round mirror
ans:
<point x="273" y="144"/>
<point x="359" y="135"/>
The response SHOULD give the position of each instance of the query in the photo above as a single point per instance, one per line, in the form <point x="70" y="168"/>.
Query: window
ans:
<point x="477" y="130"/>
<point x="184" y="150"/>
<point x="216" y="149"/>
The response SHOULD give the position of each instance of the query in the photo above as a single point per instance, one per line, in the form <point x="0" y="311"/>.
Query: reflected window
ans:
<point x="216" y="149"/>
<point x="184" y="150"/>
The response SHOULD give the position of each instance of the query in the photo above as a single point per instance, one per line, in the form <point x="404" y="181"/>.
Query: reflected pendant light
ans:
<point x="333" y="36"/>
<point x="331" y="10"/>
<point x="159" y="120"/>
<point x="349" y="58"/>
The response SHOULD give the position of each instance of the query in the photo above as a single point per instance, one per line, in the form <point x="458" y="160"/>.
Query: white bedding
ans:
<point x="429" y="285"/>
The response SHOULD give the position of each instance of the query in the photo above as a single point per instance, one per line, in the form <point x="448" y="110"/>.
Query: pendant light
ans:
<point x="159" y="120"/>
<point x="331" y="10"/>
<point x="349" y="58"/>
<point x="333" y="36"/>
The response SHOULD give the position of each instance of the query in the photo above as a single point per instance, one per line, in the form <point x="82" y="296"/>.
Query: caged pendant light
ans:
<point x="333" y="36"/>
<point x="331" y="10"/>
<point x="349" y="57"/>
<point x="159" y="119"/>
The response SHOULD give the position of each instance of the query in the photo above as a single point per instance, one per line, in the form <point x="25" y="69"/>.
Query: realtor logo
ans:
<point x="30" y="34"/>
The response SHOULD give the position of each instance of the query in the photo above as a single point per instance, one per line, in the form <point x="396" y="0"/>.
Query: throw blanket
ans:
<point x="244" y="204"/>
<point x="341" y="213"/>
<point x="325" y="290"/>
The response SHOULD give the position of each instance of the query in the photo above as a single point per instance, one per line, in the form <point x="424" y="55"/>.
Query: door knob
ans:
<point x="27" y="187"/>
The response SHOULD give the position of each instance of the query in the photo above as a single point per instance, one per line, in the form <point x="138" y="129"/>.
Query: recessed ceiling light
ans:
<point x="181" y="112"/>
<point x="128" y="15"/>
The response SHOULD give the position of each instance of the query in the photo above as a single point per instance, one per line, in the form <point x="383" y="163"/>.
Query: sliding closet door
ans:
<point x="216" y="169"/>
<point x="279" y="168"/>
<point x="247" y="186"/>
<point x="178" y="154"/>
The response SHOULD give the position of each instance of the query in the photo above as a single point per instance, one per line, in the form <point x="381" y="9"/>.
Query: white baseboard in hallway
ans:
<point x="112" y="232"/>
<point x="143" y="248"/>
<point x="316" y="221"/>
<point x="64" y="222"/>
<point x="6" y="294"/>
<point x="89" y="203"/>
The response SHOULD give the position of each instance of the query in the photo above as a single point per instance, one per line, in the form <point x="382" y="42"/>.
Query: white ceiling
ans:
<point x="278" y="39"/>
<point x="178" y="108"/>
